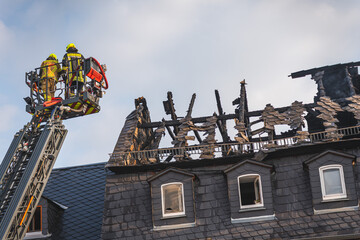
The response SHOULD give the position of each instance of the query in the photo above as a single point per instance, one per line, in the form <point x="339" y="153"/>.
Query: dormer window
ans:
<point x="330" y="192"/>
<point x="36" y="221"/>
<point x="172" y="197"/>
<point x="250" y="191"/>
<point x="332" y="182"/>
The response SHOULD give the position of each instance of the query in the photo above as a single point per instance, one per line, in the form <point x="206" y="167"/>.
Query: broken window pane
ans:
<point x="173" y="202"/>
<point x="250" y="191"/>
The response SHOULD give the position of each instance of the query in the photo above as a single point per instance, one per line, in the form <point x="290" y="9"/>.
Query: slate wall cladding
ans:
<point x="328" y="159"/>
<point x="128" y="213"/>
<point x="291" y="186"/>
<point x="169" y="177"/>
<point x="233" y="191"/>
<point x="55" y="214"/>
<point x="127" y="210"/>
<point x="44" y="216"/>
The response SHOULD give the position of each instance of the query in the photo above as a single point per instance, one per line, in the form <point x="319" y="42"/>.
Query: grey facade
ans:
<point x="290" y="194"/>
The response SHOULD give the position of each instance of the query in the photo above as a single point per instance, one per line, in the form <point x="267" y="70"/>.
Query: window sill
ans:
<point x="174" y="216"/>
<point x="343" y="209"/>
<point x="335" y="200"/>
<point x="36" y="235"/>
<point x="253" y="219"/>
<point x="252" y="209"/>
<point x="175" y="226"/>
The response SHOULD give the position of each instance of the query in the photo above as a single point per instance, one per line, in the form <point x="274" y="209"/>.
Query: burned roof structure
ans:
<point x="256" y="183"/>
<point x="333" y="115"/>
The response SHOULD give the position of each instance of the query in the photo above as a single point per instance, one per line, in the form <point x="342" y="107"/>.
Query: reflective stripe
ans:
<point x="89" y="110"/>
<point x="78" y="105"/>
<point x="50" y="69"/>
<point x="73" y="61"/>
<point x="75" y="105"/>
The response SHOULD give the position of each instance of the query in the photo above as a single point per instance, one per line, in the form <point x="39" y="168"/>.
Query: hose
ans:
<point x="103" y="73"/>
<point x="77" y="110"/>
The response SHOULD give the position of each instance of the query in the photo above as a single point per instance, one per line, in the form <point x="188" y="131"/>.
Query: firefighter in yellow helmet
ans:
<point x="72" y="62"/>
<point x="49" y="76"/>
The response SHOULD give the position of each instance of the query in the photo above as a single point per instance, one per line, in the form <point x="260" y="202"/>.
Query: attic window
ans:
<point x="250" y="191"/>
<point x="172" y="197"/>
<point x="332" y="182"/>
<point x="35" y="224"/>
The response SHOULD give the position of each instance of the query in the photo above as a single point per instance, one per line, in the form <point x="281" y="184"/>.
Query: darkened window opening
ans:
<point x="250" y="191"/>
<point x="35" y="224"/>
<point x="172" y="199"/>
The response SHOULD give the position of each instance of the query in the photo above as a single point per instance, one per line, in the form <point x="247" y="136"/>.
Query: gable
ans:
<point x="330" y="157"/>
<point x="170" y="174"/>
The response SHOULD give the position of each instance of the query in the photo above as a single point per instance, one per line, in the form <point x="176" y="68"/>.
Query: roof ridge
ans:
<point x="80" y="166"/>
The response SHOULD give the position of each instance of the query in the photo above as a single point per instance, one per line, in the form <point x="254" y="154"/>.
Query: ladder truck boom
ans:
<point x="27" y="165"/>
<point x="27" y="171"/>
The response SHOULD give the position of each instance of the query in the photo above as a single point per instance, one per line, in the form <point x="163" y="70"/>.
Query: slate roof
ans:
<point x="81" y="189"/>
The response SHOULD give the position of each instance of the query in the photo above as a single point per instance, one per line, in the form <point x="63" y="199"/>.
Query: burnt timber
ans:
<point x="334" y="115"/>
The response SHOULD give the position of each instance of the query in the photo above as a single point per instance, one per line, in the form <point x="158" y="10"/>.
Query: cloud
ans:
<point x="183" y="46"/>
<point x="6" y="37"/>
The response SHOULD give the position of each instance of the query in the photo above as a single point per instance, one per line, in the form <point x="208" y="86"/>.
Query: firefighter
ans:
<point x="49" y="76"/>
<point x="72" y="63"/>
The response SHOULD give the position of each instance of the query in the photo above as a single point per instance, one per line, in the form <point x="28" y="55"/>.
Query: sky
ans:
<point x="183" y="46"/>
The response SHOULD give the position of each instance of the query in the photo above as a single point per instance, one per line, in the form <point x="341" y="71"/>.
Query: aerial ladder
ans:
<point x="28" y="163"/>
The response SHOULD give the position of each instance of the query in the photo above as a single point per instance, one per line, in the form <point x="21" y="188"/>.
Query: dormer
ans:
<point x="250" y="192"/>
<point x="172" y="197"/>
<point x="332" y="182"/>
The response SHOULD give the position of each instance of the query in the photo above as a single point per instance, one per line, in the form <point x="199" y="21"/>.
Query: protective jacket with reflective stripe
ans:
<point x="50" y="69"/>
<point x="72" y="61"/>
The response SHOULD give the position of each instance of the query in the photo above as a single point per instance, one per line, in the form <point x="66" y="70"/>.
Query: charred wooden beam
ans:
<point x="244" y="109"/>
<point x="191" y="105"/>
<point x="221" y="123"/>
<point x="255" y="122"/>
<point x="170" y="132"/>
<point x="188" y="115"/>
<point x="222" y="117"/>
<point x="170" y="109"/>
<point x="242" y="102"/>
<point x="169" y="158"/>
<point x="197" y="135"/>
<point x="312" y="71"/>
<point x="218" y="102"/>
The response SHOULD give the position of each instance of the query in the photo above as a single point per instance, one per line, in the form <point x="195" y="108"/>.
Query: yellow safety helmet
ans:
<point x="53" y="55"/>
<point x="70" y="45"/>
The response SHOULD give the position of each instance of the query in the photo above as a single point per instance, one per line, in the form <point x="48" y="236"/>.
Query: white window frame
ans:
<point x="163" y="200"/>
<point x="342" y="179"/>
<point x="255" y="205"/>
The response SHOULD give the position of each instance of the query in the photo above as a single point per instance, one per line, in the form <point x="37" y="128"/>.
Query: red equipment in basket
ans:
<point x="53" y="101"/>
<point x="94" y="70"/>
